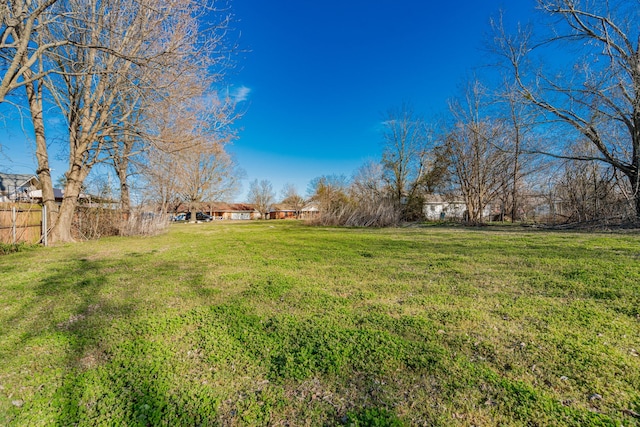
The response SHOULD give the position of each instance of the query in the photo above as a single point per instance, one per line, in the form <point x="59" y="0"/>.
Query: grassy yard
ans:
<point x="275" y="323"/>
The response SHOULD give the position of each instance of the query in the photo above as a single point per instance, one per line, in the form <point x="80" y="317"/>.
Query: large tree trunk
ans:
<point x="61" y="231"/>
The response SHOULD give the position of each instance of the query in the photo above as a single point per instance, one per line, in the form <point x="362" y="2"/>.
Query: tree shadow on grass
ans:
<point x="121" y="365"/>
<point x="58" y="325"/>
<point x="73" y="348"/>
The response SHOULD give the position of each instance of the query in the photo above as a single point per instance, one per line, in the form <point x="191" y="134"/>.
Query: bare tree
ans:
<point x="121" y="159"/>
<point x="159" y="181"/>
<point x="585" y="191"/>
<point x="437" y="178"/>
<point x="34" y="89"/>
<point x="589" y="190"/>
<point x="191" y="133"/>
<point x="205" y="173"/>
<point x="90" y="89"/>
<point x="329" y="191"/>
<point x="20" y="49"/>
<point x="261" y="195"/>
<point x="368" y="182"/>
<point x="518" y="124"/>
<point x="99" y="73"/>
<point x="405" y="155"/>
<point x="191" y="136"/>
<point x="597" y="95"/>
<point x="474" y="146"/>
<point x="292" y="198"/>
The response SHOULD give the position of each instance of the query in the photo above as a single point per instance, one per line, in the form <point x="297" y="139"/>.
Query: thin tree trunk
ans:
<point x="125" y="199"/>
<point x="125" y="196"/>
<point x="516" y="173"/>
<point x="635" y="188"/>
<point x="34" y="95"/>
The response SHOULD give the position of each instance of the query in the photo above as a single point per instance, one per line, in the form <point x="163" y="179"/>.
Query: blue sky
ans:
<point x="316" y="77"/>
<point x="321" y="74"/>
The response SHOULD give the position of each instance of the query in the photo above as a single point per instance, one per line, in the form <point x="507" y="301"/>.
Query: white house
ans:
<point x="16" y="187"/>
<point x="439" y="208"/>
<point x="58" y="194"/>
<point x="309" y="211"/>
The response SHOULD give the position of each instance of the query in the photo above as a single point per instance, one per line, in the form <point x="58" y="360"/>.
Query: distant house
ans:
<point x="544" y="208"/>
<point x="222" y="210"/>
<point x="285" y="211"/>
<point x="16" y="187"/>
<point x="310" y="211"/>
<point x="440" y="208"/>
<point x="231" y="211"/>
<point x="437" y="207"/>
<point x="282" y="211"/>
<point x="58" y="194"/>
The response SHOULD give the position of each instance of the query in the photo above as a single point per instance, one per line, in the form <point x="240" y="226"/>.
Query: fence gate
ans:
<point x="21" y="223"/>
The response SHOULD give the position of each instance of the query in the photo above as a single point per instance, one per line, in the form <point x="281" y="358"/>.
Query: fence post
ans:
<point x="14" y="219"/>
<point x="45" y="226"/>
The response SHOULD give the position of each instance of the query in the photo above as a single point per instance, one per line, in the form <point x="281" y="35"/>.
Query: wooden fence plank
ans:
<point x="28" y="223"/>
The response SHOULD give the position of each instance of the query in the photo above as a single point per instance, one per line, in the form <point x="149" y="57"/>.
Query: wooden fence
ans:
<point x="20" y="222"/>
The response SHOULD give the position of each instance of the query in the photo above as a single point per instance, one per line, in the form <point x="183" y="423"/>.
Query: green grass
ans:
<point x="269" y="323"/>
<point x="8" y="248"/>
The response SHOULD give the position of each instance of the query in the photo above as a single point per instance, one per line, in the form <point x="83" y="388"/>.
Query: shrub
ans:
<point x="97" y="222"/>
<point x="360" y="213"/>
<point x="9" y="248"/>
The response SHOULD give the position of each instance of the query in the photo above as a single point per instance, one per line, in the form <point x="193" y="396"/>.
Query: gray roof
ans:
<point x="438" y="199"/>
<point x="11" y="181"/>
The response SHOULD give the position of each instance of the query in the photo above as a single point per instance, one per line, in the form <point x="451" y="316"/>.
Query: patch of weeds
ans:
<point x="303" y="349"/>
<point x="373" y="417"/>
<point x="10" y="248"/>
<point x="142" y="384"/>
<point x="308" y="347"/>
<point x="272" y="287"/>
<point x="528" y="405"/>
